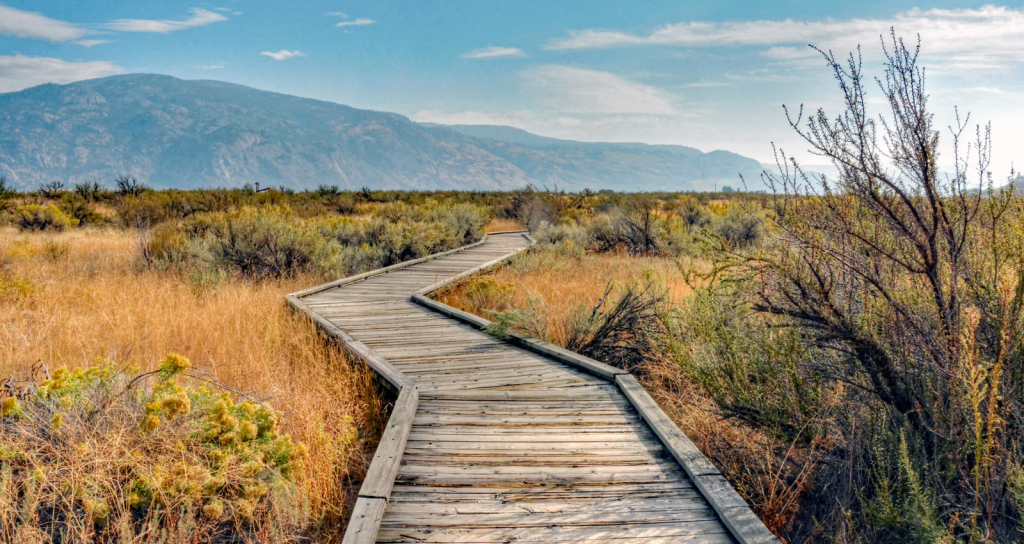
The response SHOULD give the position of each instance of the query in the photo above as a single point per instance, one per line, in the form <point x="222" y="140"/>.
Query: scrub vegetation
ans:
<point x="848" y="351"/>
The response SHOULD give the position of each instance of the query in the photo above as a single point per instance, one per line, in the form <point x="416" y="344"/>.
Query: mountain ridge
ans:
<point x="170" y="132"/>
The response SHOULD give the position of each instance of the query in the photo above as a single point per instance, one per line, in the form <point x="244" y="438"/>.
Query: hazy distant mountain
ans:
<point x="175" y="133"/>
<point x="625" y="166"/>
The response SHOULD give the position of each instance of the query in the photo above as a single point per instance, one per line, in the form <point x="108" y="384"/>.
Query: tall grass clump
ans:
<point x="108" y="453"/>
<point x="624" y="328"/>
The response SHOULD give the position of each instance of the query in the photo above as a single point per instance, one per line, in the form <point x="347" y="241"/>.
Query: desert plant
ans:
<point x="52" y="189"/>
<point x="738" y="227"/>
<point x="174" y="458"/>
<point x="6" y="191"/>
<point x="327" y="191"/>
<point x="77" y="207"/>
<point x="914" y="283"/>
<point x="89" y="191"/>
<point x="625" y="332"/>
<point x="485" y="293"/>
<point x="129" y="186"/>
<point x="642" y="226"/>
<point x="36" y="217"/>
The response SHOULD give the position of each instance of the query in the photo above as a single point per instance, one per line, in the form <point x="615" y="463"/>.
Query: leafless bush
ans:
<point x="623" y="333"/>
<point x="913" y="282"/>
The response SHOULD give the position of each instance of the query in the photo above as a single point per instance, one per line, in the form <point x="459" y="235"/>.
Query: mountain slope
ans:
<point x="176" y="133"/>
<point x="624" y="166"/>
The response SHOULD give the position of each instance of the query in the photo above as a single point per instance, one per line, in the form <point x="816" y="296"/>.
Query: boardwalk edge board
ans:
<point x="373" y="497"/>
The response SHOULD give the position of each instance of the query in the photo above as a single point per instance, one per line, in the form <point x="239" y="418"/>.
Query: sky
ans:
<point x="710" y="75"/>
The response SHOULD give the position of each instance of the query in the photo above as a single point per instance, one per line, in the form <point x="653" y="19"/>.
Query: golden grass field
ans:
<point x="70" y="298"/>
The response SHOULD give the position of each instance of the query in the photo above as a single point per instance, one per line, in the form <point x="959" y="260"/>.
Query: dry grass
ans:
<point x="562" y="282"/>
<point x="87" y="298"/>
<point x="767" y="472"/>
<point x="502" y="225"/>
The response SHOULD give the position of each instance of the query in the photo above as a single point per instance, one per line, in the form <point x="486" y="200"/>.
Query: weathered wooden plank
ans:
<point x="380" y="477"/>
<point x="385" y="270"/>
<point x="378" y="363"/>
<point x="365" y="521"/>
<point x="594" y="367"/>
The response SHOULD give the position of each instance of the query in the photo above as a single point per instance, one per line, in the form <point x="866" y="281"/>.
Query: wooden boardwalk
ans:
<point x="512" y="441"/>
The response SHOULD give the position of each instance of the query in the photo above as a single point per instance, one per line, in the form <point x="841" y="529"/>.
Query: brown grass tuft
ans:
<point x="502" y="225"/>
<point x="563" y="282"/>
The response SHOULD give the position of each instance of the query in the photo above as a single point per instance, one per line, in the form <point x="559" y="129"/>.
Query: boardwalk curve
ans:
<point x="511" y="441"/>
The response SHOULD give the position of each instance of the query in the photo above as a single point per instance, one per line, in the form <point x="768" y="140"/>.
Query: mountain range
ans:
<point x="169" y="132"/>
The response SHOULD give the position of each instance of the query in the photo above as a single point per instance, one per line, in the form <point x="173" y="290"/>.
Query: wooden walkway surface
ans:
<point x="512" y="441"/>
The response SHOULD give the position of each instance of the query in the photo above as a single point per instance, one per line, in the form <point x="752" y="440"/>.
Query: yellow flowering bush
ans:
<point x="188" y="458"/>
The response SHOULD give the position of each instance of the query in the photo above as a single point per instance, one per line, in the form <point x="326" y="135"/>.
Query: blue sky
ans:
<point x="711" y="75"/>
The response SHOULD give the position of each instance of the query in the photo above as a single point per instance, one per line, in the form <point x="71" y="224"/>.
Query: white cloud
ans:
<point x="212" y="67"/>
<point x="703" y="84"/>
<point x="511" y="119"/>
<point x="338" y="14"/>
<point x="26" y="24"/>
<point x="283" y="54"/>
<point x="980" y="37"/>
<point x="199" y="17"/>
<point x="357" y="22"/>
<point x="19" y="71"/>
<point x="576" y="90"/>
<point x="493" y="52"/>
<point x="792" y="53"/>
<point x="90" y="43"/>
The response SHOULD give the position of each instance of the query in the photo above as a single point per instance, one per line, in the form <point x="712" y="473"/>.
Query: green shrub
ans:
<point x="78" y="208"/>
<point x="273" y="241"/>
<point x="143" y="209"/>
<point x="569" y="234"/>
<point x="255" y="242"/>
<point x="737" y="227"/>
<point x="36" y="217"/>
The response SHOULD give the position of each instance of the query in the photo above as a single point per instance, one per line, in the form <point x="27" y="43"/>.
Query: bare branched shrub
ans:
<point x="7" y="192"/>
<point x="52" y="189"/>
<point x="129" y="186"/>
<point x="89" y="191"/>
<point x="624" y="331"/>
<point x="910" y="284"/>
